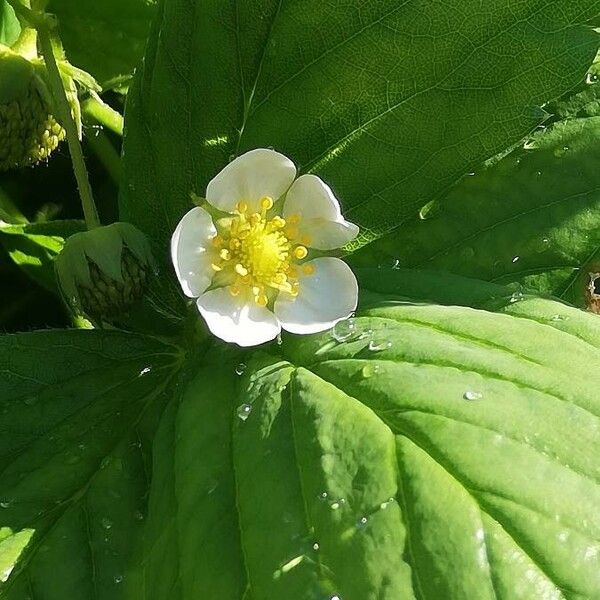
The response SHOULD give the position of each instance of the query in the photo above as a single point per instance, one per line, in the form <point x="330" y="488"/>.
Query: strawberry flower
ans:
<point x="249" y="263"/>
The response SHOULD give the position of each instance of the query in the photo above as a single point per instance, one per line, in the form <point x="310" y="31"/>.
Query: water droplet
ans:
<point x="343" y="330"/>
<point x="363" y="521"/>
<point x="5" y="504"/>
<point x="106" y="523"/>
<point x="138" y="515"/>
<point x="516" y="259"/>
<point x="239" y="369"/>
<point x="559" y="318"/>
<point x="396" y="264"/>
<point x="118" y="579"/>
<point x="516" y="297"/>
<point x="366" y="334"/>
<point x="379" y="345"/>
<point x="323" y="496"/>
<point x="369" y="370"/>
<point x="429" y="210"/>
<point x="335" y="598"/>
<point x="243" y="411"/>
<point x="144" y="371"/>
<point x="472" y="395"/>
<point x="335" y="505"/>
<point x="279" y="339"/>
<point x="385" y="504"/>
<point x="591" y="78"/>
<point x="315" y="546"/>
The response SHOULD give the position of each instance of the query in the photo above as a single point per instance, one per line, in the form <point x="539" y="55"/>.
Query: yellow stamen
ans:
<point x="224" y="254"/>
<point x="266" y="203"/>
<point x="300" y="252"/>
<point x="241" y="207"/>
<point x="261" y="300"/>
<point x="216" y="267"/>
<point x="308" y="269"/>
<point x="241" y="270"/>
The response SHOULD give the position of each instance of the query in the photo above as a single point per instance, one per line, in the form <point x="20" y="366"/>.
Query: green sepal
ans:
<point x="104" y="247"/>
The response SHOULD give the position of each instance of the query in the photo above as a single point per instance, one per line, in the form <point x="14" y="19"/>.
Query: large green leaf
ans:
<point x="77" y="414"/>
<point x="389" y="101"/>
<point x="437" y="452"/>
<point x="105" y="38"/>
<point x="533" y="218"/>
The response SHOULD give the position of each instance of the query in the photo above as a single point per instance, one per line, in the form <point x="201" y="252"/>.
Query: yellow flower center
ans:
<point x="258" y="253"/>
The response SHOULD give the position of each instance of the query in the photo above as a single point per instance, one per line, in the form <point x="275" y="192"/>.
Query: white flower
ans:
<point x="251" y="270"/>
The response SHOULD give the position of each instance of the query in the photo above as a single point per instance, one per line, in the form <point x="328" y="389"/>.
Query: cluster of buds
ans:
<point x="103" y="272"/>
<point x="28" y="130"/>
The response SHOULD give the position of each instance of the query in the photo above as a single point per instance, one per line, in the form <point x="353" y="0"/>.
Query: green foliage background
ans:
<point x="447" y="446"/>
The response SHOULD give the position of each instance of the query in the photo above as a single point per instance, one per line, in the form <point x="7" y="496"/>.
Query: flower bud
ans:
<point x="28" y="131"/>
<point x="103" y="272"/>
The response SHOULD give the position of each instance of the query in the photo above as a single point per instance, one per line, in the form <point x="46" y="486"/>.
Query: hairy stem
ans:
<point x="64" y="113"/>
<point x="103" y="114"/>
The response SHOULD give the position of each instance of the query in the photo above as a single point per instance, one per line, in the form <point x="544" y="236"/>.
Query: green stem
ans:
<point x="107" y="154"/>
<point x="103" y="114"/>
<point x="64" y="113"/>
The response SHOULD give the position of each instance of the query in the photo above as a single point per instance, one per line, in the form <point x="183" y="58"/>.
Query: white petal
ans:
<point x="327" y="296"/>
<point x="249" y="178"/>
<point x="189" y="251"/>
<point x="236" y="319"/>
<point x="321" y="216"/>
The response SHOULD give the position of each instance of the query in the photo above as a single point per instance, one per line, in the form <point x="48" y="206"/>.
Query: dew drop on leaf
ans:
<point x="343" y="330"/>
<point x="516" y="297"/>
<point x="591" y="78"/>
<point x="472" y="395"/>
<point x="315" y="546"/>
<point x="106" y="523"/>
<point x="118" y="578"/>
<point x="379" y="345"/>
<point x="240" y="368"/>
<point x="243" y="411"/>
<point x="5" y="504"/>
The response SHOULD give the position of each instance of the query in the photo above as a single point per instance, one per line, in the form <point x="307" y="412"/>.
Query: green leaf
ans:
<point x="33" y="247"/>
<point x="9" y="24"/>
<point x="533" y="218"/>
<point x="104" y="38"/>
<point x="11" y="548"/>
<point x="390" y="103"/>
<point x="438" y="452"/>
<point x="78" y="410"/>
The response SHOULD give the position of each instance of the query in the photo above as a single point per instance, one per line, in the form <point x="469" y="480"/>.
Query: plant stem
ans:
<point x="103" y="114"/>
<point x="107" y="154"/>
<point x="64" y="113"/>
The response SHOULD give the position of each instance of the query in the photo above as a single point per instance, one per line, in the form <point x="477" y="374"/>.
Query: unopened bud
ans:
<point x="103" y="272"/>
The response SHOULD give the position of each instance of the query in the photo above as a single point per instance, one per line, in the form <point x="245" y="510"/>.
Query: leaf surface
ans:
<point x="77" y="412"/>
<point x="437" y="452"/>
<point x="533" y="219"/>
<point x="390" y="102"/>
<point x="33" y="247"/>
<point x="105" y="38"/>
